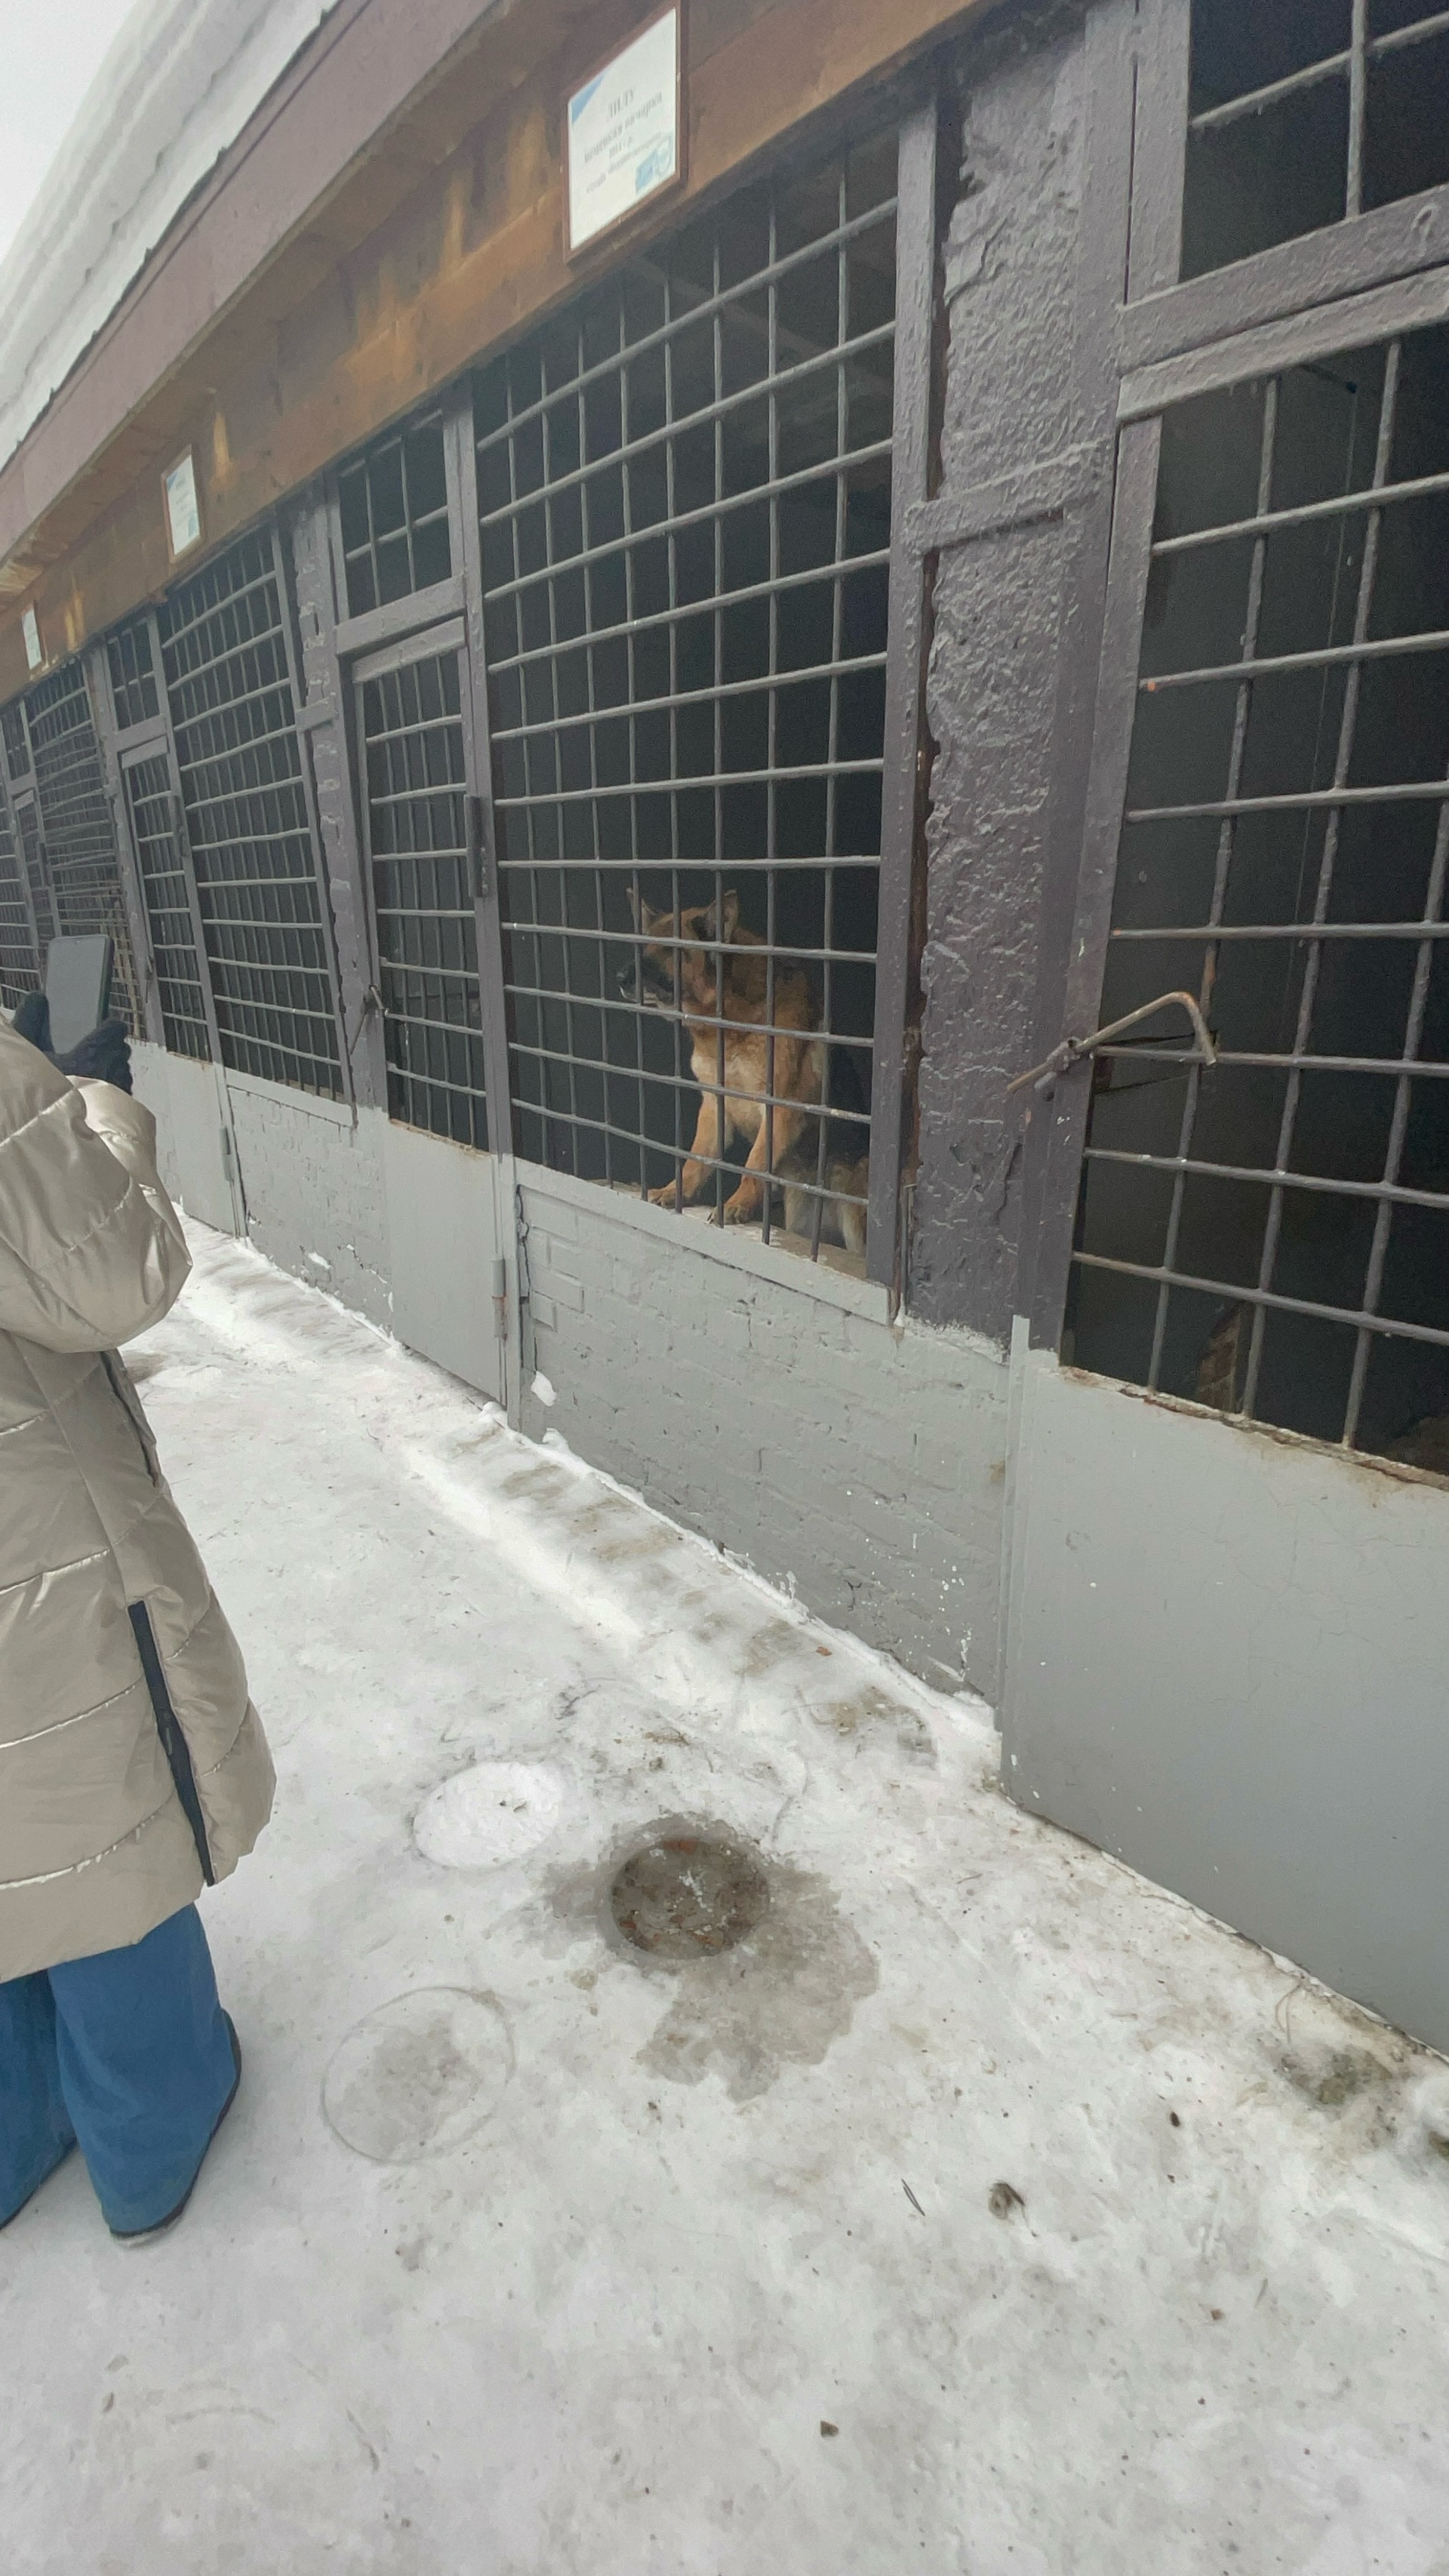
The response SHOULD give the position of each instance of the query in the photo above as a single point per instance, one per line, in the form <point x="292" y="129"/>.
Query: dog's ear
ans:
<point x="731" y="916"/>
<point x="644" y="919"/>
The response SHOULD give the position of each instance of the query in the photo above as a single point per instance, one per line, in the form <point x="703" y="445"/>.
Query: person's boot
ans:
<point x="138" y="2235"/>
<point x="37" y="2186"/>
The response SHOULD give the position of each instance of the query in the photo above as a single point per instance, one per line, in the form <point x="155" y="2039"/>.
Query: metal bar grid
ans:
<point x="135" y="688"/>
<point x="709" y="514"/>
<point x="228" y="686"/>
<point x="77" y="828"/>
<point x="15" y="739"/>
<point x="412" y="733"/>
<point x="37" y="874"/>
<point x="155" y="823"/>
<point x="1306" y="1179"/>
<point x="742" y="595"/>
<point x="393" y="512"/>
<point x="19" y="961"/>
<point x="684" y="491"/>
<point x="1349" y="63"/>
<point x="1358" y="147"/>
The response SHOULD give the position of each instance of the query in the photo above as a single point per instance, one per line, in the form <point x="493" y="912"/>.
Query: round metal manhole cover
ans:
<point x="688" y="1896"/>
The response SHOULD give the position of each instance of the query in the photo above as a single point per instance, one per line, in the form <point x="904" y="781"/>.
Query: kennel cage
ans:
<point x="61" y="820"/>
<point x="684" y="491"/>
<point x="228" y="672"/>
<point x="1269" y="1235"/>
<point x="19" y="962"/>
<point x="419" y="826"/>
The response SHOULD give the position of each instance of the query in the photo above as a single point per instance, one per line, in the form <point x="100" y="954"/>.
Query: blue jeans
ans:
<point x="129" y="2054"/>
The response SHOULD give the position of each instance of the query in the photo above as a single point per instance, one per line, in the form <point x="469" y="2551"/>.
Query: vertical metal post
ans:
<point x="291" y="642"/>
<point x="133" y="899"/>
<point x="1136" y="143"/>
<point x="487" y="893"/>
<point x="1357" y="106"/>
<point x="901" y="782"/>
<point x="184" y="848"/>
<point x="1060" y="1120"/>
<point x="22" y="873"/>
<point x="1153" y="77"/>
<point x="329" y="713"/>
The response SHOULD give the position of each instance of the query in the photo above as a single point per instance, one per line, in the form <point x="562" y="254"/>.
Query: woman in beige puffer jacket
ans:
<point x="133" y="1768"/>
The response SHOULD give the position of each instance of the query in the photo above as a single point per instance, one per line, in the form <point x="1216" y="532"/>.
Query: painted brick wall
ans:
<point x="860" y="1461"/>
<point x="149" y="1082"/>
<point x="314" y="1192"/>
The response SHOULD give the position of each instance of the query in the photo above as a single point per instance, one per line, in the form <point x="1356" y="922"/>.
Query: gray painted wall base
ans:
<point x="312" y="1175"/>
<point x="194" y="1134"/>
<point x="1226" y="1665"/>
<point x="771" y="1406"/>
<point x="778" y="1412"/>
<point x="444" y="1236"/>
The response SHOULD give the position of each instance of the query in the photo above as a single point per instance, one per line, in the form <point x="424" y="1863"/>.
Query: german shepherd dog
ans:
<point x="677" y="974"/>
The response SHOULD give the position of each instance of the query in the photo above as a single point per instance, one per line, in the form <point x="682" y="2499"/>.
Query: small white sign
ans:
<point x="183" y="511"/>
<point x="30" y="629"/>
<point x="624" y="132"/>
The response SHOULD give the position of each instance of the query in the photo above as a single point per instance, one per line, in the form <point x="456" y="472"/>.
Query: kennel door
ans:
<point x="424" y="824"/>
<point x="1224" y="1657"/>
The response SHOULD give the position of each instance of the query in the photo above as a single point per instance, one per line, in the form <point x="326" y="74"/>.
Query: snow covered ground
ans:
<point x="983" y="2210"/>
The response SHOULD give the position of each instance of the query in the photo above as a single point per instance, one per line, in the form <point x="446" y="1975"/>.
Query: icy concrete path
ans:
<point x="983" y="2211"/>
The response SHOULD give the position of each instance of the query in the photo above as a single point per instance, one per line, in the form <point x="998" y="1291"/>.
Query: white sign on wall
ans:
<point x="623" y="132"/>
<point x="30" y="629"/>
<point x="183" y="510"/>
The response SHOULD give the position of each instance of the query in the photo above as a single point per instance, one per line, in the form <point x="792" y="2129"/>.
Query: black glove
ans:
<point x="32" y="1021"/>
<point x="104" y="1055"/>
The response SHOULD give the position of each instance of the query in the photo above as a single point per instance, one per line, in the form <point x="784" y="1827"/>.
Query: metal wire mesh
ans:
<point x="19" y="965"/>
<point x="161" y="861"/>
<point x="1306" y="113"/>
<point x="132" y="664"/>
<point x="224" y="655"/>
<point x="684" y="492"/>
<point x="13" y="734"/>
<point x="394" y="510"/>
<point x="76" y="821"/>
<point x="37" y="873"/>
<point x="418" y="847"/>
<point x="1272" y="1236"/>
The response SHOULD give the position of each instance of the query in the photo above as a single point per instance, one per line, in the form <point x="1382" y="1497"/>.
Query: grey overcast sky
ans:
<point x="51" y="51"/>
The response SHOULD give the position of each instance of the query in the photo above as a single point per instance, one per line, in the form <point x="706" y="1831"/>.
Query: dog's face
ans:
<point x="674" y="977"/>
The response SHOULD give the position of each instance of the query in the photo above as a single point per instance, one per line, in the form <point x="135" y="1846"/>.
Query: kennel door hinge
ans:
<point x="500" y="1300"/>
<point x="481" y="866"/>
<point x="1072" y="1050"/>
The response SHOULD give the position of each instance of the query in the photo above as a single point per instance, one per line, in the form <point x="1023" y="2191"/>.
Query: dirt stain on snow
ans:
<point x="871" y="1713"/>
<point x="782" y="1996"/>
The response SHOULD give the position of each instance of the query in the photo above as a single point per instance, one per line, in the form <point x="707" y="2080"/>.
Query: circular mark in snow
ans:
<point x="689" y="1895"/>
<point x="418" y="2075"/>
<point x="492" y="1813"/>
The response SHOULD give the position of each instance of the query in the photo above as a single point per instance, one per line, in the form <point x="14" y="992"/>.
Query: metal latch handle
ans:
<point x="481" y="869"/>
<point x="1072" y="1050"/>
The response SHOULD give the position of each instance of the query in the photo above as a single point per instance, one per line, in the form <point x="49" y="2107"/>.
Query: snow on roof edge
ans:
<point x="173" y="93"/>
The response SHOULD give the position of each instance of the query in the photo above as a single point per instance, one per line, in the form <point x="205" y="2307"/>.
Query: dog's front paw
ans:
<point x="668" y="1196"/>
<point x="742" y="1209"/>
